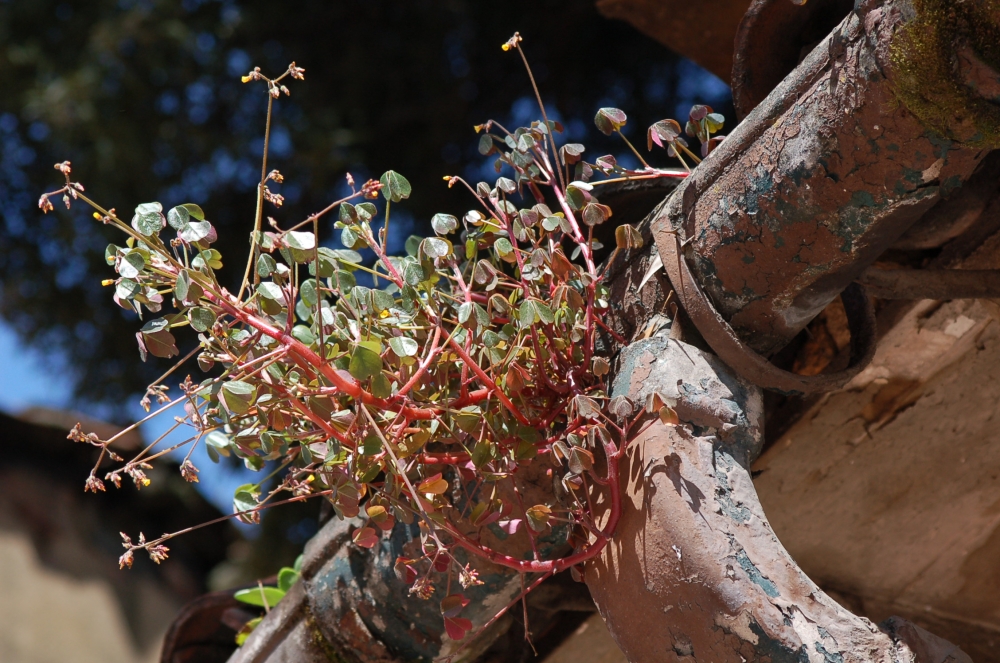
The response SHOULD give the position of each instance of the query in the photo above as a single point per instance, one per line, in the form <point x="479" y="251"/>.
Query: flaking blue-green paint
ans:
<point x="828" y="657"/>
<point x="724" y="464"/>
<point x="753" y="573"/>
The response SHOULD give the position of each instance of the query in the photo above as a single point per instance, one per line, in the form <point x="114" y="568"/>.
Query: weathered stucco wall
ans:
<point x="888" y="492"/>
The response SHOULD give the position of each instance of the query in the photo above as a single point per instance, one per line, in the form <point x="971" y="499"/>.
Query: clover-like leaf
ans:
<point x="628" y="237"/>
<point x="435" y="247"/>
<point x="395" y="187"/>
<point x="433" y="485"/>
<point x="457" y="627"/>
<point x="201" y="318"/>
<point x="365" y="362"/>
<point x="366" y="537"/>
<point x="238" y="397"/>
<point x="189" y="228"/>
<point x="403" y="346"/>
<point x="148" y="219"/>
<point x="303" y="241"/>
<point x="444" y="223"/>
<point x="538" y="517"/>
<point x="610" y="120"/>
<point x="452" y="605"/>
<point x="664" y="131"/>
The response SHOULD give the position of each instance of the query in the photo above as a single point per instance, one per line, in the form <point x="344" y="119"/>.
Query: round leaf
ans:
<point x="609" y="120"/>
<point x="365" y="362"/>
<point x="148" y="219"/>
<point x="395" y="187"/>
<point x="403" y="347"/>
<point x="444" y="223"/>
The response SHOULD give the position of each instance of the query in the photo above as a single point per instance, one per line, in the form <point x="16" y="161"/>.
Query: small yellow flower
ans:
<point x="245" y="79"/>
<point x="107" y="282"/>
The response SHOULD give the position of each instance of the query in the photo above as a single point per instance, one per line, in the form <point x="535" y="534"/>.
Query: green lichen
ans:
<point x="926" y="78"/>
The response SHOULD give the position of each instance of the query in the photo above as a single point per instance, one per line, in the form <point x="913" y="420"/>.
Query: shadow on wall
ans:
<point x="64" y="598"/>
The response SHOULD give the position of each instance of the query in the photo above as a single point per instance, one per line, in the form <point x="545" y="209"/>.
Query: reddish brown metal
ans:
<point x="748" y="364"/>
<point x="818" y="181"/>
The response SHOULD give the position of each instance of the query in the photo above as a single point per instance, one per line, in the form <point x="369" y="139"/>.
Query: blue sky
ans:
<point x="26" y="380"/>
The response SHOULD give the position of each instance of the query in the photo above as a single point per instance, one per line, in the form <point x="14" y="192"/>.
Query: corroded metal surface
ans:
<point x="816" y="183"/>
<point x="695" y="572"/>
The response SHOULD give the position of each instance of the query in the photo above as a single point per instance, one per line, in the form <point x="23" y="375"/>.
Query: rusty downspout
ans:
<point x="883" y="117"/>
<point x="837" y="162"/>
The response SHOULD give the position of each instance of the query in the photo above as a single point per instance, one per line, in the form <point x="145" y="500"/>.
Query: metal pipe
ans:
<point x="835" y="164"/>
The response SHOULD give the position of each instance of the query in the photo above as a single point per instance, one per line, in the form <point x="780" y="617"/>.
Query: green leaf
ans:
<point x="482" y="453"/>
<point x="238" y="396"/>
<point x="218" y="441"/>
<point x="132" y="264"/>
<point x="412" y="245"/>
<point x="469" y="418"/>
<point x="186" y="289"/>
<point x="381" y="387"/>
<point x="148" y="219"/>
<point x="403" y="346"/>
<point x="609" y="120"/>
<point x="207" y="258"/>
<point x="504" y="247"/>
<point x="714" y="121"/>
<point x="365" y="362"/>
<point x="538" y="517"/>
<point x="533" y="310"/>
<point x="371" y="445"/>
<point x="303" y="334"/>
<point x="350" y="239"/>
<point x="553" y="223"/>
<point x="266" y="265"/>
<point x="435" y="247"/>
<point x="382" y="300"/>
<point x="486" y="146"/>
<point x="344" y="280"/>
<point x="366" y="211"/>
<point x="258" y="595"/>
<point x="307" y="291"/>
<point x="201" y="318"/>
<point x="247" y="629"/>
<point x="270" y="290"/>
<point x="303" y="241"/>
<point x="287" y="577"/>
<point x="444" y="223"/>
<point x="348" y="214"/>
<point x="395" y="187"/>
<point x="194" y="210"/>
<point x="180" y="218"/>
